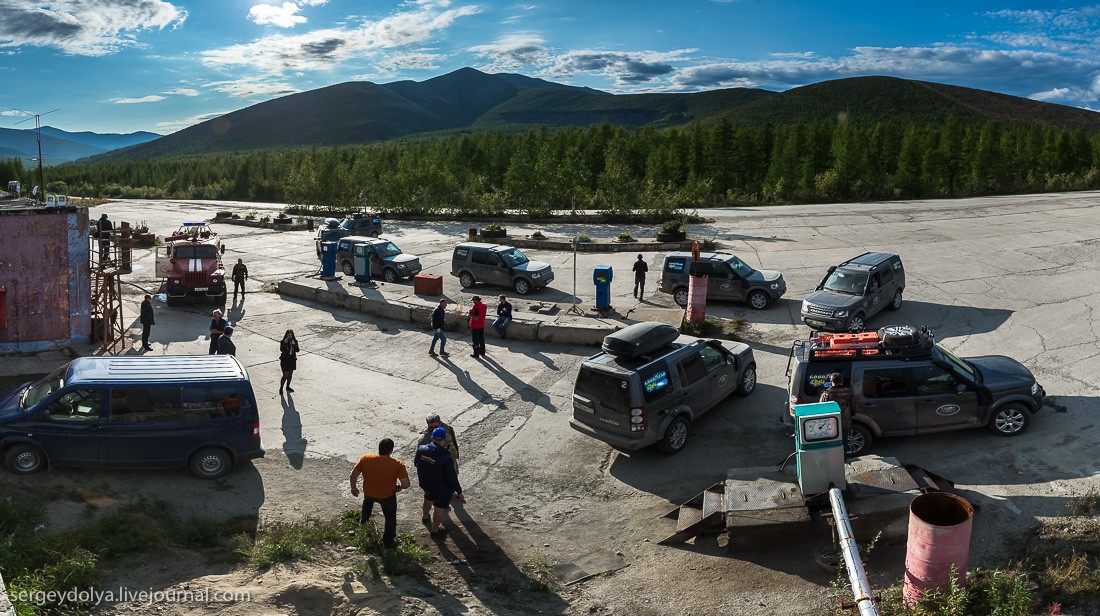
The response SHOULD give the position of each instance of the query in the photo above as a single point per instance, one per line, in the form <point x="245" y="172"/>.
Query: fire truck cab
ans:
<point x="191" y="261"/>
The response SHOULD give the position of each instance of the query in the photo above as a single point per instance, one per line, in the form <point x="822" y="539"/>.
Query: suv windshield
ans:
<point x="851" y="283"/>
<point x="960" y="365"/>
<point x="739" y="267"/>
<point x="514" y="257"/>
<point x="38" y="392"/>
<point x="613" y="393"/>
<point x="389" y="249"/>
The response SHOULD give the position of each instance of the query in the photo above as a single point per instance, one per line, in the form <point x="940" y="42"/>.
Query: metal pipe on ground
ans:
<point x="940" y="526"/>
<point x="857" y="577"/>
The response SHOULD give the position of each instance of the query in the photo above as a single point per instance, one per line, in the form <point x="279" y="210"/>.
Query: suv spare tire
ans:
<point x="895" y="336"/>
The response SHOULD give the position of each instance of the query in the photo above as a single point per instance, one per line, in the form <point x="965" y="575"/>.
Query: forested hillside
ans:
<point x="621" y="169"/>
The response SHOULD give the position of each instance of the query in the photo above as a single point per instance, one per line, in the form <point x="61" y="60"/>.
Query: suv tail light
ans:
<point x="256" y="429"/>
<point x="796" y="399"/>
<point x="637" y="420"/>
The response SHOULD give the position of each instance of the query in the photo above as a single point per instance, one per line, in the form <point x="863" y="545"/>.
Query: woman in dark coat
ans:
<point x="288" y="359"/>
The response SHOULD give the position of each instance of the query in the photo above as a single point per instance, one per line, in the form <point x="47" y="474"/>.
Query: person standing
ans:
<point x="477" y="327"/>
<point x="450" y="441"/>
<point x="842" y="395"/>
<point x="217" y="328"/>
<point x="288" y="359"/>
<point x="240" y="274"/>
<point x="504" y="317"/>
<point x="640" y="269"/>
<point x="383" y="478"/>
<point x="438" y="477"/>
<point x="146" y="322"/>
<point x="225" y="343"/>
<point x="105" y="226"/>
<point x="439" y="323"/>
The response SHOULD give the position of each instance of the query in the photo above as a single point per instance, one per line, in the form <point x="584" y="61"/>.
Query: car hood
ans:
<point x="9" y="401"/>
<point x="832" y="299"/>
<point x="532" y="266"/>
<point x="402" y="258"/>
<point x="1000" y="372"/>
<point x="764" y="276"/>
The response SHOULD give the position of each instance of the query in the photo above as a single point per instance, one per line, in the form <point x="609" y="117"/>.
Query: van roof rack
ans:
<point x="894" y="341"/>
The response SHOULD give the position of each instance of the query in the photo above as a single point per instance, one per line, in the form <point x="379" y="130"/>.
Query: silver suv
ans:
<point x="854" y="291"/>
<point x="650" y="383"/>
<point x="499" y="265"/>
<point x="730" y="278"/>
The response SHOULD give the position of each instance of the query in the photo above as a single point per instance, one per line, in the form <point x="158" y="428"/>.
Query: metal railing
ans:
<point x="857" y="577"/>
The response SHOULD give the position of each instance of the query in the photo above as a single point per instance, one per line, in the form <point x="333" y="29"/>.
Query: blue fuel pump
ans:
<point x="328" y="259"/>
<point x="602" y="277"/>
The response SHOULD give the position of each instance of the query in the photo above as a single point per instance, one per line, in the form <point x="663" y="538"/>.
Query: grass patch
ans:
<point x="1085" y="505"/>
<point x="539" y="573"/>
<point x="726" y="329"/>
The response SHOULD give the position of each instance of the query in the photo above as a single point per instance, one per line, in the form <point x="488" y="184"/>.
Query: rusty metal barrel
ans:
<point x="697" y="299"/>
<point x="940" y="525"/>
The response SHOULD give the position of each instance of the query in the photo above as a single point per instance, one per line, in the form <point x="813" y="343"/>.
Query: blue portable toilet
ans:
<point x="328" y="259"/>
<point x="602" y="276"/>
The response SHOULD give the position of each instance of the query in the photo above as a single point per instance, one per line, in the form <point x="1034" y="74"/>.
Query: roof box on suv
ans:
<point x="640" y="339"/>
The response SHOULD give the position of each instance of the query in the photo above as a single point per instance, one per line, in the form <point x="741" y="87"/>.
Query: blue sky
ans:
<point x="162" y="65"/>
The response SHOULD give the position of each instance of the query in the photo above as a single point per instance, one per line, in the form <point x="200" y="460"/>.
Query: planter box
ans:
<point x="672" y="236"/>
<point x="145" y="239"/>
<point x="492" y="235"/>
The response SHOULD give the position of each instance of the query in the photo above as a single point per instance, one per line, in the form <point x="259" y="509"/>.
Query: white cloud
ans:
<point x="152" y="98"/>
<point x="283" y="16"/>
<point x="183" y="92"/>
<point x="83" y="27"/>
<point x="12" y="112"/>
<point x="513" y="51"/>
<point x="244" y="88"/>
<point x="172" y="126"/>
<point x="325" y="48"/>
<point x="626" y="68"/>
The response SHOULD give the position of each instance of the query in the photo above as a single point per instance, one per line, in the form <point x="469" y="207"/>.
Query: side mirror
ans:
<point x="832" y="268"/>
<point x="223" y="248"/>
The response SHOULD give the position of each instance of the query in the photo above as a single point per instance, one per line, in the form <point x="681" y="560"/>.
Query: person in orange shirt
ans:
<point x="383" y="478"/>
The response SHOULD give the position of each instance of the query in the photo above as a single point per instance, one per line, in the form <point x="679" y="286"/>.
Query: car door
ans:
<point x="726" y="284"/>
<point x="70" y="428"/>
<point x="694" y="385"/>
<point x="884" y="394"/>
<point x="875" y="293"/>
<point x="721" y="373"/>
<point x="944" y="402"/>
<point x="144" y="427"/>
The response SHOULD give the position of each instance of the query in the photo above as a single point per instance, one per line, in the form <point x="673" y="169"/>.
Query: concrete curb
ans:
<point x="419" y="313"/>
<point x="594" y="246"/>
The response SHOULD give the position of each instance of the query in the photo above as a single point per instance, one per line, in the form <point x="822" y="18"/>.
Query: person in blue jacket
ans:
<point x="438" y="477"/>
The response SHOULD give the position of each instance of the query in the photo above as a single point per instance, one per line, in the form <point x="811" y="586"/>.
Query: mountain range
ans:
<point x="60" y="146"/>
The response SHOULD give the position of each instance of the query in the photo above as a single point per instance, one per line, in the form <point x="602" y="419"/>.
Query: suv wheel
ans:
<point x="748" y="381"/>
<point x="522" y="286"/>
<point x="23" y="459"/>
<point x="680" y="296"/>
<point x="466" y="279"/>
<point x="759" y="300"/>
<point x="389" y="275"/>
<point x="210" y="463"/>
<point x="347" y="268"/>
<point x="857" y="323"/>
<point x="675" y="437"/>
<point x="859" y="440"/>
<point x="896" y="304"/>
<point x="373" y="233"/>
<point x="1010" y="420"/>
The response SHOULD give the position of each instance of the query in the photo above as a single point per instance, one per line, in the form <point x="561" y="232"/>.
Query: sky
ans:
<point x="162" y="65"/>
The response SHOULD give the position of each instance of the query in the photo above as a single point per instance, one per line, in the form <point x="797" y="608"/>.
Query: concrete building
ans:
<point x="45" y="291"/>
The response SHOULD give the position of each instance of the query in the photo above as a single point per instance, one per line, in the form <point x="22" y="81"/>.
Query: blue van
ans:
<point x="194" y="411"/>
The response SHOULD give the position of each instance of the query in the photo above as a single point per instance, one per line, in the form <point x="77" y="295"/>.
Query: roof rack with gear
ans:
<point x="893" y="341"/>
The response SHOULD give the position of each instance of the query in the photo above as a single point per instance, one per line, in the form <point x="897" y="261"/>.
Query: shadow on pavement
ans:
<point x="294" y="444"/>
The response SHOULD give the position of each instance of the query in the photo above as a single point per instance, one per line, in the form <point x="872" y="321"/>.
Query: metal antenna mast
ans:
<point x="38" y="133"/>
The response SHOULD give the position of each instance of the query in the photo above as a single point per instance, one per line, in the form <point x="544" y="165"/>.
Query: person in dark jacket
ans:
<point x="438" y="477"/>
<point x="217" y="327"/>
<point x="288" y="359"/>
<point x="640" y="269"/>
<point x="504" y="317"/>
<point x="104" y="226"/>
<point x="477" y="327"/>
<point x="240" y="274"/>
<point x="146" y="322"/>
<point x="225" y="344"/>
<point x="450" y="442"/>
<point x="439" y="322"/>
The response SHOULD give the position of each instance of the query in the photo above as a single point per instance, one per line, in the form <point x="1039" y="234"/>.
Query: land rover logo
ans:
<point x="722" y="380"/>
<point x="947" y="410"/>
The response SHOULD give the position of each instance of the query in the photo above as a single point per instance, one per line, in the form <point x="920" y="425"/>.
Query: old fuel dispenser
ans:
<point x="819" y="444"/>
<point x="328" y="259"/>
<point x="360" y="254"/>
<point x="602" y="276"/>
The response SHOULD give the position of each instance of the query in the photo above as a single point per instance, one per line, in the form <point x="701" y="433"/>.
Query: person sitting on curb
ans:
<point x="504" y="317"/>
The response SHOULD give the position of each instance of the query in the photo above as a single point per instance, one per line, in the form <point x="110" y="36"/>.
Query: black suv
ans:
<point x="904" y="383"/>
<point x="854" y="291"/>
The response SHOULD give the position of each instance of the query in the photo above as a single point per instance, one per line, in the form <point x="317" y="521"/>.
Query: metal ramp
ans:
<point x="703" y="513"/>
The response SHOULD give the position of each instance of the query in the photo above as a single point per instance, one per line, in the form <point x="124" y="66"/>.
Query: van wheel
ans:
<point x="748" y="381"/>
<point x="347" y="268"/>
<point x="675" y="437"/>
<point x="759" y="300"/>
<point x="23" y="459"/>
<point x="896" y="304"/>
<point x="522" y="286"/>
<point x="680" y="296"/>
<point x="466" y="279"/>
<point x="1010" y="420"/>
<point x="389" y="275"/>
<point x="859" y="440"/>
<point x="210" y="463"/>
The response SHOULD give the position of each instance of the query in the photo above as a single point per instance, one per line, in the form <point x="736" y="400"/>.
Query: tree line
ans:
<point x="614" y="168"/>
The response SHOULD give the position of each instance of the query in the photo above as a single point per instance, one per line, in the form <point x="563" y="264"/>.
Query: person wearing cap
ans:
<point x="640" y="268"/>
<point x="477" y="327"/>
<point x="438" y="477"/>
<point x="217" y="328"/>
<point x="383" y="478"/>
<point x="225" y="343"/>
<point x="450" y="442"/>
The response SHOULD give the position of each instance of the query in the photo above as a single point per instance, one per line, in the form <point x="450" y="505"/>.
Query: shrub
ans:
<point x="537" y="235"/>
<point x="670" y="226"/>
<point x="624" y="236"/>
<point x="493" y="226"/>
<point x="583" y="237"/>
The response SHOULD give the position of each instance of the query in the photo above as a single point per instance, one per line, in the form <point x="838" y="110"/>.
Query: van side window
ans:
<point x="655" y="381"/>
<point x="484" y="257"/>
<point x="932" y="379"/>
<point x="675" y="265"/>
<point x="145" y="404"/>
<point x="713" y="359"/>
<point x="885" y="276"/>
<point x="79" y="405"/>
<point x="692" y="369"/>
<point x="213" y="402"/>
<point x="886" y="383"/>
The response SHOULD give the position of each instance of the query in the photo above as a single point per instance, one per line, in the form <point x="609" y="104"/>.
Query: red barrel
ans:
<point x="939" y="539"/>
<point x="697" y="299"/>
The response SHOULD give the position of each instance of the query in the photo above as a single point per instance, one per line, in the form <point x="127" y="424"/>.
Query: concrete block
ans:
<point x="332" y="298"/>
<point x="573" y="334"/>
<point x="421" y="315"/>
<point x="517" y="330"/>
<point x="382" y="308"/>
<point x="296" y="289"/>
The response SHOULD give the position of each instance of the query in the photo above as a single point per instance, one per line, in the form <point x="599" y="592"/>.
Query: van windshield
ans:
<point x="613" y="393"/>
<point x="514" y="257"/>
<point x="39" y="391"/>
<point x="849" y="283"/>
<point x="739" y="267"/>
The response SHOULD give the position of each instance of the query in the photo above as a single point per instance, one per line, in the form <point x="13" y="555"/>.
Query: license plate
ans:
<point x="816" y="323"/>
<point x="202" y="288"/>
<point x="590" y="411"/>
